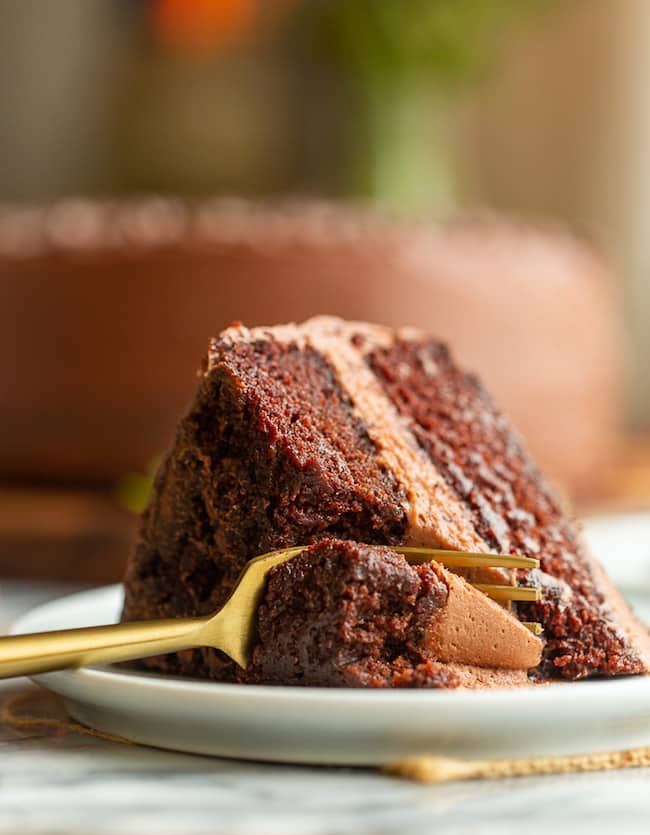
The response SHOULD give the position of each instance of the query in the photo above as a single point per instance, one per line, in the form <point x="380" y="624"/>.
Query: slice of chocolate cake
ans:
<point x="344" y="430"/>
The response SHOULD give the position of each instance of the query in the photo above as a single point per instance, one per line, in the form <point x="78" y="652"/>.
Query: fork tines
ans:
<point x="466" y="559"/>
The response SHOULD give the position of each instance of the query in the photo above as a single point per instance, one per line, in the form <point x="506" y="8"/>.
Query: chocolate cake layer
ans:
<point x="336" y="429"/>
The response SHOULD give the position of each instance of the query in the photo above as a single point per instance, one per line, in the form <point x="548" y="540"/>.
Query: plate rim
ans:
<point x="591" y="693"/>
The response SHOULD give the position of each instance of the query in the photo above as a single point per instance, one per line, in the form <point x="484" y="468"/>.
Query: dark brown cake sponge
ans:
<point x="347" y="614"/>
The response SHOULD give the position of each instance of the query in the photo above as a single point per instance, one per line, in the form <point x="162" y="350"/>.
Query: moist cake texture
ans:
<point x="334" y="430"/>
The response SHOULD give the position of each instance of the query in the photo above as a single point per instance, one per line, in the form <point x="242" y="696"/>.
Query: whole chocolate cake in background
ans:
<point x="129" y="294"/>
<point x="345" y="433"/>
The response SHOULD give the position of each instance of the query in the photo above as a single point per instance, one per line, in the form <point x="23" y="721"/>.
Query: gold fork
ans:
<point x="231" y="629"/>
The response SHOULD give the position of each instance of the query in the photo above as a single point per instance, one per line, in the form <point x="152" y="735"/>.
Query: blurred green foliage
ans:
<point x="449" y="39"/>
<point x="402" y="61"/>
<point x="133" y="491"/>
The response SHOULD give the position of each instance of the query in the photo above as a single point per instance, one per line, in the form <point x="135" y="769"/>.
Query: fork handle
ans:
<point x="43" y="652"/>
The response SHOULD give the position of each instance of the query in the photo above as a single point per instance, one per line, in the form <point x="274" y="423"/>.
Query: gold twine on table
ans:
<point x="430" y="769"/>
<point x="24" y="712"/>
<point x="15" y="714"/>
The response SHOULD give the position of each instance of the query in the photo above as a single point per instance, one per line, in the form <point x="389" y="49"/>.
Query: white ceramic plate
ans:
<point x="621" y="542"/>
<point x="332" y="726"/>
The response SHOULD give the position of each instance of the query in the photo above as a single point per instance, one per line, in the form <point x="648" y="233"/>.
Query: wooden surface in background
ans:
<point x="64" y="535"/>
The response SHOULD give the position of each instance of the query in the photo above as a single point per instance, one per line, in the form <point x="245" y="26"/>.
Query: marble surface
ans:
<point x="65" y="782"/>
